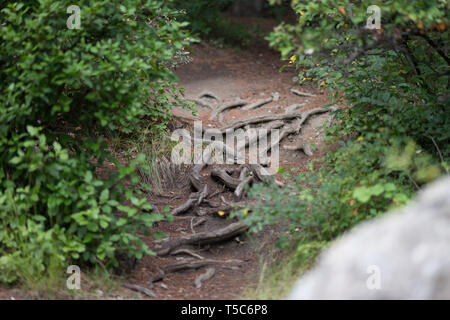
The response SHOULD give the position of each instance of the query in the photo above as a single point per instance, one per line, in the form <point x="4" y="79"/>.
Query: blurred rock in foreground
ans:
<point x="402" y="255"/>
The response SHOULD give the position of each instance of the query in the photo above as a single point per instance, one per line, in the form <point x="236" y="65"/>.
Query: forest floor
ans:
<point x="250" y="74"/>
<point x="230" y="73"/>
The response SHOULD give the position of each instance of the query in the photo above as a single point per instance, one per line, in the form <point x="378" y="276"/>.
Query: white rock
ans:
<point x="402" y="255"/>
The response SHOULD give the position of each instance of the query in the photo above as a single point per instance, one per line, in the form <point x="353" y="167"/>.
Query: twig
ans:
<point x="225" y="178"/>
<point x="305" y="147"/>
<point x="229" y="105"/>
<point x="208" y="94"/>
<point x="262" y="174"/>
<point x="184" y="207"/>
<point x="189" y="252"/>
<point x="240" y="188"/>
<point x="437" y="148"/>
<point x="294" y="107"/>
<point x="140" y="289"/>
<point x="260" y="119"/>
<point x="302" y="94"/>
<point x="199" y="222"/>
<point x="192" y="227"/>
<point x="258" y="104"/>
<point x="181" y="266"/>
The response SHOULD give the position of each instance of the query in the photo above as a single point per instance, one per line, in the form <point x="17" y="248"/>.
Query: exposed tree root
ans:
<point x="225" y="178"/>
<point x="183" y="117"/>
<point x="212" y="145"/>
<point x="305" y="147"/>
<point x="201" y="238"/>
<point x="198" y="222"/>
<point x="260" y="119"/>
<point x="243" y="173"/>
<point x="203" y="194"/>
<point x="195" y="199"/>
<point x="210" y="272"/>
<point x="296" y="126"/>
<point x="188" y="252"/>
<point x="184" y="207"/>
<point x="195" y="177"/>
<point x="258" y="104"/>
<point x="213" y="211"/>
<point x="240" y="188"/>
<point x="226" y="106"/>
<point x="239" y="205"/>
<point x="193" y="265"/>
<point x="182" y="266"/>
<point x="285" y="131"/>
<point x="268" y="126"/>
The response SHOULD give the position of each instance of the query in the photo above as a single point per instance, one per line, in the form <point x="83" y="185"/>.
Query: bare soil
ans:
<point x="232" y="73"/>
<point x="229" y="73"/>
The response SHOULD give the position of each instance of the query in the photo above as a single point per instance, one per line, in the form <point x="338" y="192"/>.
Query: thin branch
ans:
<point x="437" y="148"/>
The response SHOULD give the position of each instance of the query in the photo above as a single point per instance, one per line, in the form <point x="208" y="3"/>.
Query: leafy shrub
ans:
<point x="394" y="136"/>
<point x="61" y="90"/>
<point x="205" y="20"/>
<point x="202" y="14"/>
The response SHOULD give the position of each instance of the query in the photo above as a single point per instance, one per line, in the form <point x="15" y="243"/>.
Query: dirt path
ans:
<point x="230" y="74"/>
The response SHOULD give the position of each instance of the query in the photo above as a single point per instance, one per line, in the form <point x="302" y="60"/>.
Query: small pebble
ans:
<point x="276" y="96"/>
<point x="164" y="286"/>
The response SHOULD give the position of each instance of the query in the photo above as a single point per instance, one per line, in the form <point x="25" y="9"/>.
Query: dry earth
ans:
<point x="229" y="73"/>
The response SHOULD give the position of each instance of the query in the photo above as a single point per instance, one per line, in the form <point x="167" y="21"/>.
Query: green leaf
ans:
<point x="362" y="194"/>
<point x="104" y="195"/>
<point x="121" y="222"/>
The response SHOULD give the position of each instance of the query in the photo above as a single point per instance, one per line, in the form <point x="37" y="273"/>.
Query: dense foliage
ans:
<point x="207" y="20"/>
<point x="393" y="137"/>
<point x="61" y="90"/>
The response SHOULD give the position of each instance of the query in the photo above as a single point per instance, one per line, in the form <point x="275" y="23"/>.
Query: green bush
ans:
<point x="202" y="14"/>
<point x="206" y="20"/>
<point x="393" y="137"/>
<point x="61" y="90"/>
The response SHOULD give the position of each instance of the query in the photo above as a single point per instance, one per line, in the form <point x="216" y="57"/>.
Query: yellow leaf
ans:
<point x="220" y="213"/>
<point x="420" y="24"/>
